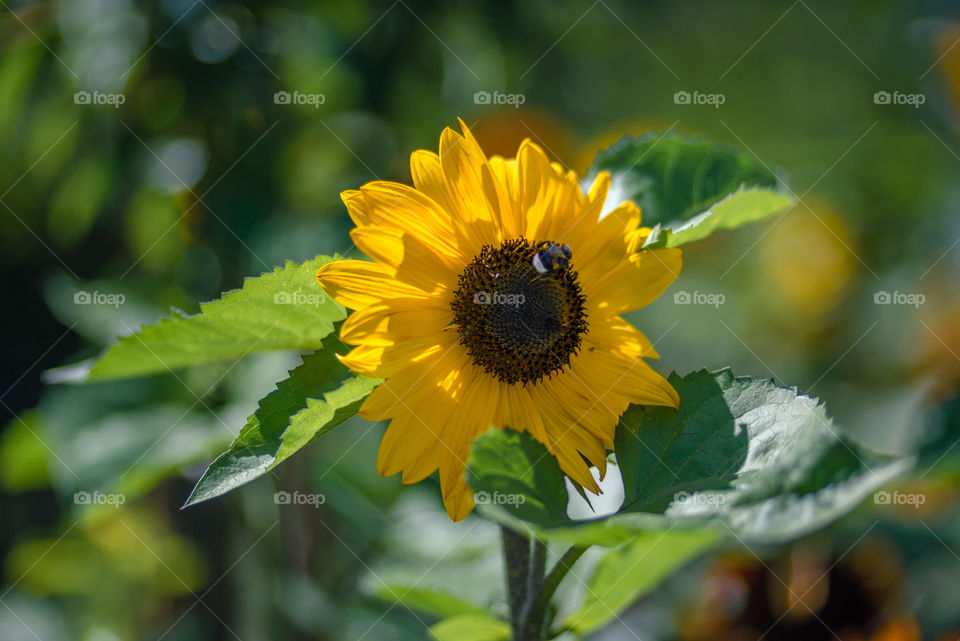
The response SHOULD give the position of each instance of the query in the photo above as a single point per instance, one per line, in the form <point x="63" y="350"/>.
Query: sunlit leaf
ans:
<point x="429" y="601"/>
<point x="628" y="572"/>
<point x="764" y="462"/>
<point x="282" y="309"/>
<point x="737" y="209"/>
<point x="688" y="188"/>
<point x="471" y="627"/>
<point x="318" y="396"/>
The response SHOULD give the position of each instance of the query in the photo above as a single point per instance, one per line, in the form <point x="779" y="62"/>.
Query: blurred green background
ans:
<point x="148" y="162"/>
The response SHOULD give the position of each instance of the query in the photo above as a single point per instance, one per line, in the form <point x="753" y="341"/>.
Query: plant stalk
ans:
<point x="516" y="561"/>
<point x="529" y="588"/>
<point x="552" y="581"/>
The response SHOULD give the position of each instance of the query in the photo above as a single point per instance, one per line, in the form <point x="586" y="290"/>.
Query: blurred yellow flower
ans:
<point x="938" y="344"/>
<point x="808" y="257"/>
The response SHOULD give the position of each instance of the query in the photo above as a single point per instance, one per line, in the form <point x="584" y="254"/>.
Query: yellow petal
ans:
<point x="633" y="283"/>
<point x="358" y="283"/>
<point x="459" y="501"/>
<point x="616" y="382"/>
<point x="600" y="188"/>
<point x="461" y="160"/>
<point x="619" y="336"/>
<point x="566" y="440"/>
<point x="471" y="417"/>
<point x="421" y="380"/>
<point x="415" y="262"/>
<point x="504" y="173"/>
<point x="382" y="361"/>
<point x="408" y="446"/>
<point x="402" y="207"/>
<point x="585" y="408"/>
<point x="608" y="245"/>
<point x="385" y="325"/>
<point x="356" y="206"/>
<point x="428" y="178"/>
<point x="533" y="173"/>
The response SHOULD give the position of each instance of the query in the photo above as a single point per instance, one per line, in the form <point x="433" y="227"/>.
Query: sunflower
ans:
<point x="494" y="299"/>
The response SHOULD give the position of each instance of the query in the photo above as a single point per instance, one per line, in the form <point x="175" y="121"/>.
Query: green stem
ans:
<point x="538" y="567"/>
<point x="528" y="590"/>
<point x="529" y="629"/>
<point x="516" y="560"/>
<point x="537" y="613"/>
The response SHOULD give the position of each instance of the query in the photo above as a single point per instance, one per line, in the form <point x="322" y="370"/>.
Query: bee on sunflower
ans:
<point x="494" y="299"/>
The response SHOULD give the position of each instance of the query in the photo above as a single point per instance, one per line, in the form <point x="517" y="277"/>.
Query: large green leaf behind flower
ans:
<point x="763" y="462"/>
<point x="747" y="458"/>
<point x="688" y="188"/>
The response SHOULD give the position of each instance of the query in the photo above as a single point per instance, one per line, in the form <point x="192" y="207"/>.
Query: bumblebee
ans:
<point x="551" y="257"/>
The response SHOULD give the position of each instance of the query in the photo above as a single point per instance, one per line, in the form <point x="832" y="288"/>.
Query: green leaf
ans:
<point x="471" y="627"/>
<point x="737" y="209"/>
<point x="755" y="461"/>
<point x="429" y="601"/>
<point x="689" y="187"/>
<point x="318" y="396"/>
<point x="282" y="309"/>
<point x="763" y="461"/>
<point x="515" y="472"/>
<point x="634" y="569"/>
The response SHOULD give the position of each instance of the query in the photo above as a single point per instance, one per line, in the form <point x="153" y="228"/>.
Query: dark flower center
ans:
<point x="520" y="319"/>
